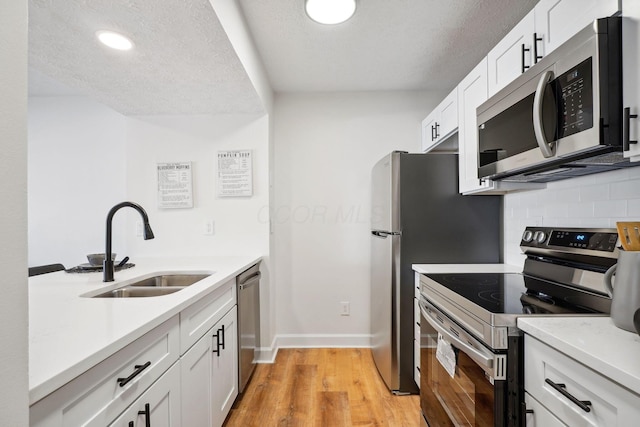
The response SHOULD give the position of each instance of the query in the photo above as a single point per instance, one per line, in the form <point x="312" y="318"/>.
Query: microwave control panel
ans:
<point x="574" y="98"/>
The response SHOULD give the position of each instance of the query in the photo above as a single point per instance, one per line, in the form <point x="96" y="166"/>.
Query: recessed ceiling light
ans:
<point x="330" y="11"/>
<point x="114" y="40"/>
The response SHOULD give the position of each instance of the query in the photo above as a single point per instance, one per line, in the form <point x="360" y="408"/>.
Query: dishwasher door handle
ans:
<point x="250" y="280"/>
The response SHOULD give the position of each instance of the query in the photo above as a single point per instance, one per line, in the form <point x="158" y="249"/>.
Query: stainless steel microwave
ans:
<point x="562" y="117"/>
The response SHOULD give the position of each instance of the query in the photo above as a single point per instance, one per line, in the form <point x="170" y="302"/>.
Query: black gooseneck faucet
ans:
<point x="107" y="265"/>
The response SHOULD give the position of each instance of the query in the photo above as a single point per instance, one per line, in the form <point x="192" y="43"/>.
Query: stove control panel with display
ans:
<point x="583" y="239"/>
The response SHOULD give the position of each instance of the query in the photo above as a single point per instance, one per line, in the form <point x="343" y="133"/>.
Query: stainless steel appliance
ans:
<point x="561" y="118"/>
<point x="474" y="315"/>
<point x="418" y="217"/>
<point x="248" y="287"/>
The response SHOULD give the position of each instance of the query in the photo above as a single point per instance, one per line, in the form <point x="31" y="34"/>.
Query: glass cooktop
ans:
<point x="515" y="293"/>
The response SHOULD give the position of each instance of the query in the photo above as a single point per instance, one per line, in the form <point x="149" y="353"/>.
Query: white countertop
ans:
<point x="594" y="341"/>
<point x="465" y="268"/>
<point x="69" y="334"/>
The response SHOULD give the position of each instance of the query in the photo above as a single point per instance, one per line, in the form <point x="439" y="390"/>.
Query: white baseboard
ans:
<point x="324" y="341"/>
<point x="268" y="354"/>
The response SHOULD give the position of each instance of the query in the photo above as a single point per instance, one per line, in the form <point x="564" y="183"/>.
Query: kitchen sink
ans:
<point x="138" y="292"/>
<point x="155" y="286"/>
<point x="169" y="280"/>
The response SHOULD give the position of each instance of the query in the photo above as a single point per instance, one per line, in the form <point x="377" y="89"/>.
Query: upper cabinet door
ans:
<point x="448" y="115"/>
<point x="631" y="76"/>
<point x="472" y="91"/>
<point x="512" y="55"/>
<point x="557" y="20"/>
<point x="429" y="136"/>
<point x="441" y="123"/>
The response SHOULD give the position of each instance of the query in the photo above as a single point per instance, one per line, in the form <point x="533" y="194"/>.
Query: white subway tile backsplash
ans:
<point x="565" y="195"/>
<point x="597" y="201"/>
<point x="595" y="192"/>
<point x="633" y="208"/>
<point x="581" y="210"/>
<point x="609" y="208"/>
<point x="556" y="210"/>
<point x="626" y="189"/>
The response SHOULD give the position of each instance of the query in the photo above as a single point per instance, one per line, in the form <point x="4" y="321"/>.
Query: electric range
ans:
<point x="475" y="314"/>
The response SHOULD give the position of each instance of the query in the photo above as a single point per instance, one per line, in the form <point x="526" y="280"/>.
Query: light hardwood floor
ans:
<point x="322" y="388"/>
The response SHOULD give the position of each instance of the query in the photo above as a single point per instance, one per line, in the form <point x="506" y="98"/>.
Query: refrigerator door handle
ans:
<point x="385" y="234"/>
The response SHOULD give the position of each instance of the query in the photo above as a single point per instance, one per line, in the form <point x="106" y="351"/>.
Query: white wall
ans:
<point x="241" y="223"/>
<point x="14" y="397"/>
<point x="324" y="148"/>
<point x="591" y="201"/>
<point x="76" y="174"/>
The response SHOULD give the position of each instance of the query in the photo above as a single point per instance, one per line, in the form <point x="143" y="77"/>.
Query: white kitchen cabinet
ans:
<point x="472" y="91"/>
<point x="574" y="393"/>
<point x="539" y="416"/>
<point x="210" y="374"/>
<point x="196" y="382"/>
<point x="199" y="317"/>
<point x="512" y="55"/>
<point x="158" y="406"/>
<point x="225" y="367"/>
<point x="556" y="21"/>
<point x="102" y="393"/>
<point x="547" y="26"/>
<point x="631" y="75"/>
<point x="441" y="123"/>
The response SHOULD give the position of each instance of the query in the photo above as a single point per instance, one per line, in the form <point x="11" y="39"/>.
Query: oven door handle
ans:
<point x="486" y="361"/>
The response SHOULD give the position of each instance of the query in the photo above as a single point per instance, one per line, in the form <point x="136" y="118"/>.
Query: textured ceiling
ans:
<point x="183" y="62"/>
<point x="386" y="45"/>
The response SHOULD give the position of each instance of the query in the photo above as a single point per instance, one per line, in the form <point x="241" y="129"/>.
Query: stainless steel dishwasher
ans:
<point x="248" y="283"/>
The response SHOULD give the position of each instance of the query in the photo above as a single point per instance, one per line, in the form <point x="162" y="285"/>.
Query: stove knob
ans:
<point x="527" y="236"/>
<point x="541" y="237"/>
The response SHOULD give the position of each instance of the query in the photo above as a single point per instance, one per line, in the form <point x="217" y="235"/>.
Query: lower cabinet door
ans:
<point x="158" y="406"/>
<point x="225" y="366"/>
<point x="539" y="416"/>
<point x="195" y="366"/>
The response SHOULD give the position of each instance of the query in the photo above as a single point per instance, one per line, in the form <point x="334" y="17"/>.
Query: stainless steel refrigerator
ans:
<point x="418" y="217"/>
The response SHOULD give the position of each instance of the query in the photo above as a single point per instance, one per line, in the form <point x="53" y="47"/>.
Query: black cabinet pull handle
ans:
<point x="138" y="369"/>
<point x="536" y="39"/>
<point x="216" y="350"/>
<point x="524" y="52"/>
<point x="626" y="133"/>
<point x="437" y="130"/>
<point x="222" y="330"/>
<point x="433" y="133"/>
<point x="147" y="415"/>
<point x="582" y="404"/>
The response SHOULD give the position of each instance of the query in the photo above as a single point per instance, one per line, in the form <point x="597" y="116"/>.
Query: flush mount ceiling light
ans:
<point x="114" y="40"/>
<point x="330" y="11"/>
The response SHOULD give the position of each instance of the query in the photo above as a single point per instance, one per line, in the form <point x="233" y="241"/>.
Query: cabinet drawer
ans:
<point x="610" y="403"/>
<point x="539" y="415"/>
<point x="198" y="318"/>
<point x="99" y="395"/>
<point x="163" y="400"/>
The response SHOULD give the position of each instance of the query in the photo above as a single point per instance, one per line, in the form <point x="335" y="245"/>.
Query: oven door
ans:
<point x="476" y="395"/>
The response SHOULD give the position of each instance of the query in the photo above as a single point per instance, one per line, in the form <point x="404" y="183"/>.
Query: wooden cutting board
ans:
<point x="629" y="233"/>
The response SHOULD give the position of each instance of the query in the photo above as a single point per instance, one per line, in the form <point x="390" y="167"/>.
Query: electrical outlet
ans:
<point x="344" y="308"/>
<point x="209" y="228"/>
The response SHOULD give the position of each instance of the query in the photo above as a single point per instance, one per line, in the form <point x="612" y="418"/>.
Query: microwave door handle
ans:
<point x="548" y="148"/>
<point x="482" y="359"/>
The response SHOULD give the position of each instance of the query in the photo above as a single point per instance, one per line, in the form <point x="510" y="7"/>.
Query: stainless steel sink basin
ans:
<point x="169" y="280"/>
<point x="155" y="286"/>
<point x="138" y="292"/>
